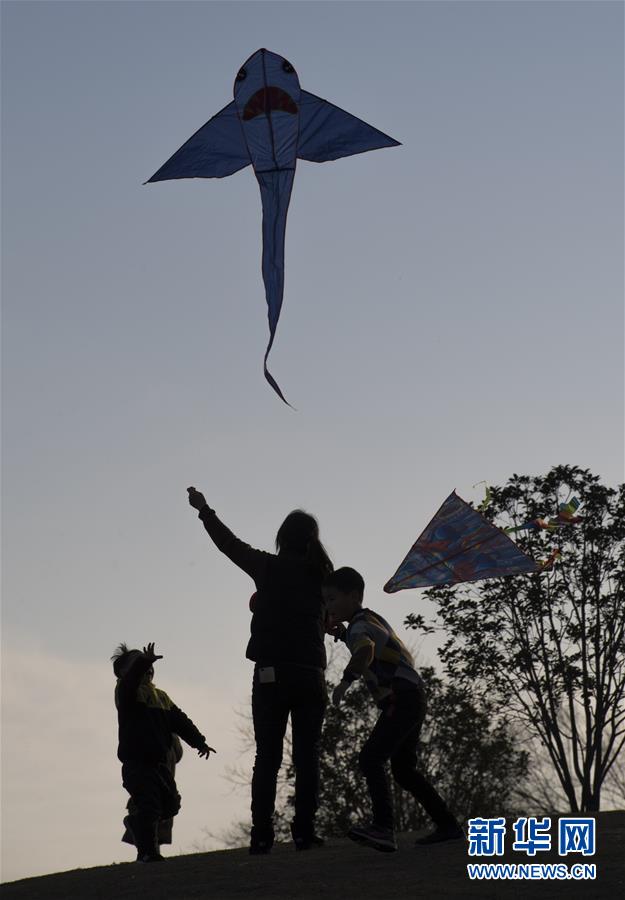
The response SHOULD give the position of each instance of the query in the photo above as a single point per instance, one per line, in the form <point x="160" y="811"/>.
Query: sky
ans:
<point x="453" y="313"/>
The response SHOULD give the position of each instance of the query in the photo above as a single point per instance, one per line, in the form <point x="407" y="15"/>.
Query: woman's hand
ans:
<point x="196" y="499"/>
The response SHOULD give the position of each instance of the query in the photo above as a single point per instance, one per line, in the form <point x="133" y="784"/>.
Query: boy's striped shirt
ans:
<point x="391" y="659"/>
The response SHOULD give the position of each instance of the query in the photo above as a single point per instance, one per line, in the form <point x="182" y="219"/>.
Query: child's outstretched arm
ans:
<point x="182" y="725"/>
<point x="252" y="561"/>
<point x="205" y="751"/>
<point x="361" y="659"/>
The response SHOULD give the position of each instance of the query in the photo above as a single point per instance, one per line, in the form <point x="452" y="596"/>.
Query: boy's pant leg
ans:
<point x="270" y="712"/>
<point x="407" y="776"/>
<point x="308" y="705"/>
<point x="393" y="725"/>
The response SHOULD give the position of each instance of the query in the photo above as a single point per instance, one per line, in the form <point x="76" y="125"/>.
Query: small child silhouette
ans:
<point x="148" y="723"/>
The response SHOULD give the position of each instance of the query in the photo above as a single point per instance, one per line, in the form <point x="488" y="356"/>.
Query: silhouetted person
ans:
<point x="148" y="720"/>
<point x="380" y="657"/>
<point x="287" y="647"/>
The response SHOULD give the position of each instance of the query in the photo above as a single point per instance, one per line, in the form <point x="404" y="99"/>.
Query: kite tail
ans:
<point x="275" y="192"/>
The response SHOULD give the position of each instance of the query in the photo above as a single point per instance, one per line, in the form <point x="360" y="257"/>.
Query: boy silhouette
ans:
<point x="380" y="657"/>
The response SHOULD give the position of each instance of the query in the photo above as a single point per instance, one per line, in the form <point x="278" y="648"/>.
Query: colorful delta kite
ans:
<point x="459" y="545"/>
<point x="270" y="124"/>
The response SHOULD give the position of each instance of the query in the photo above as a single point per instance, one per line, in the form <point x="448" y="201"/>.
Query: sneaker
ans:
<point x="450" y="833"/>
<point x="373" y="836"/>
<point x="306" y="842"/>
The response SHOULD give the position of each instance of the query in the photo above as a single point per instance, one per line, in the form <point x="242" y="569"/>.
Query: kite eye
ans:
<point x="241" y="75"/>
<point x="288" y="68"/>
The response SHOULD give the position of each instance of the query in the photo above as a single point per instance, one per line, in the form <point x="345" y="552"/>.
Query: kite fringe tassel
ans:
<point x="549" y="563"/>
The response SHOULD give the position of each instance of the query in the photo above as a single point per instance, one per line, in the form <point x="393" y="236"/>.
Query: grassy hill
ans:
<point x="340" y="869"/>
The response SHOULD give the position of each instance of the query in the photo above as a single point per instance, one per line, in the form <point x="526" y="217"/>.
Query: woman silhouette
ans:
<point x="287" y="647"/>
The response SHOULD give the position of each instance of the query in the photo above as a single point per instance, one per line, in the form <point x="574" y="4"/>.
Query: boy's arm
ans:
<point x="337" y="631"/>
<point x="361" y="658"/>
<point x="252" y="561"/>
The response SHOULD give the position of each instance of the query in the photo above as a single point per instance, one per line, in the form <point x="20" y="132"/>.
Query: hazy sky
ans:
<point x="453" y="312"/>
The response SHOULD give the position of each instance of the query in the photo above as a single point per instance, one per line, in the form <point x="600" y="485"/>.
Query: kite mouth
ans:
<point x="266" y="99"/>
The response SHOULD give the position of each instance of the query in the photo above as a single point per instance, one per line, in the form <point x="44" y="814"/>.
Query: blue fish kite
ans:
<point x="270" y="124"/>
